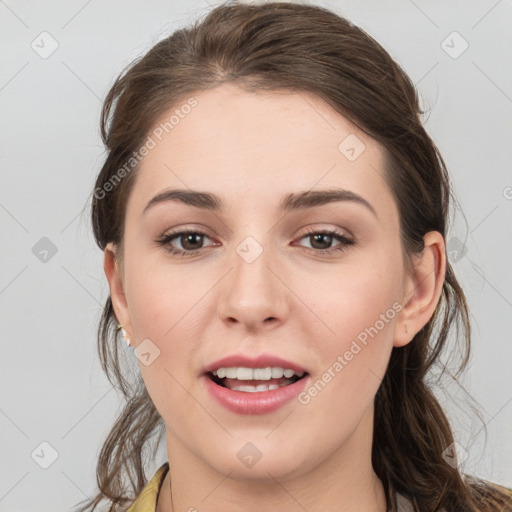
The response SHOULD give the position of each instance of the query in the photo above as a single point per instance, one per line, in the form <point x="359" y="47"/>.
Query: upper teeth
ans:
<point x="242" y="373"/>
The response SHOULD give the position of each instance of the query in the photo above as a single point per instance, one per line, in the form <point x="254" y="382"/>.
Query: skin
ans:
<point x="251" y="149"/>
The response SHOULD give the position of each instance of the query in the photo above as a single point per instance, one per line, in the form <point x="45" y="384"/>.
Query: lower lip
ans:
<point x="260" y="402"/>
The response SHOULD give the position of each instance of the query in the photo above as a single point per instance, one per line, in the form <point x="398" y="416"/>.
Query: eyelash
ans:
<point x="165" y="241"/>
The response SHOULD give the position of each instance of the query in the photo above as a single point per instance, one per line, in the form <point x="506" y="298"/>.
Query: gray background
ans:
<point x="52" y="387"/>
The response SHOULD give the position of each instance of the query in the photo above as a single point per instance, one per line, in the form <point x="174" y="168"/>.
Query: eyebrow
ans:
<point x="291" y="202"/>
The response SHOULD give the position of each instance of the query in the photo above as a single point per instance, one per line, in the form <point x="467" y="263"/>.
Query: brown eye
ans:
<point x="321" y="241"/>
<point x="188" y="242"/>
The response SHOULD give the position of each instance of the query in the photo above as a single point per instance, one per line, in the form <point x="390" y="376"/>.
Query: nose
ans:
<point x="252" y="294"/>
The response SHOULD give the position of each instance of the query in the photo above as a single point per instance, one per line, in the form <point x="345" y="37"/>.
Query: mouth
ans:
<point x="248" y="384"/>
<point x="254" y="380"/>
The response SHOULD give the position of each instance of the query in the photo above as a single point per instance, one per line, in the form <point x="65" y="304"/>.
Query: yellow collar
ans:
<point x="146" y="500"/>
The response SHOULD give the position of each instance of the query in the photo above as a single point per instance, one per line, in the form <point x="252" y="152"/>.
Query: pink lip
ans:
<point x="261" y="402"/>
<point x="261" y="361"/>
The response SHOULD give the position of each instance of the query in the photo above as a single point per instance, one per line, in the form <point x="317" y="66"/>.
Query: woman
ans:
<point x="272" y="214"/>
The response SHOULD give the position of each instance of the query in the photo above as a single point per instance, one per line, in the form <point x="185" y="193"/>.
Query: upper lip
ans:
<point x="261" y="361"/>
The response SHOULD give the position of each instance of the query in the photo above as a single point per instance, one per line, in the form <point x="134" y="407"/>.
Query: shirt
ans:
<point x="146" y="500"/>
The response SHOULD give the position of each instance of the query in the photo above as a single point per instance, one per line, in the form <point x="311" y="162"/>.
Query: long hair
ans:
<point x="296" y="48"/>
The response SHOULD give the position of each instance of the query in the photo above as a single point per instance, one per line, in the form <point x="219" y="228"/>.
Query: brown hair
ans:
<point x="299" y="48"/>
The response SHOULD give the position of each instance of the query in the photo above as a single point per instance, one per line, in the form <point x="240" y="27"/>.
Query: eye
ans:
<point x="191" y="242"/>
<point x="321" y="241"/>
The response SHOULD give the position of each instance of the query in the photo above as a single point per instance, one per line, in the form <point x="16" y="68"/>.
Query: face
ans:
<point x="271" y="278"/>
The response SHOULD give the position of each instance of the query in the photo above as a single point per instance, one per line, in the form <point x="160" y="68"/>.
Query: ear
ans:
<point x="115" y="282"/>
<point x="423" y="288"/>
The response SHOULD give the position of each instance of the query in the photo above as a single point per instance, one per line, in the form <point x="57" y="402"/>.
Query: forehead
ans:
<point x="264" y="144"/>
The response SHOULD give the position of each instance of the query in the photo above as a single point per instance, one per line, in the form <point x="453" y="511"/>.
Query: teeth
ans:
<point x="262" y="373"/>
<point x="231" y="373"/>
<point x="256" y="389"/>
<point x="242" y="373"/>
<point x="277" y="373"/>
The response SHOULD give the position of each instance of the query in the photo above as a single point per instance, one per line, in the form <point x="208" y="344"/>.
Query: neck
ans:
<point x="344" y="482"/>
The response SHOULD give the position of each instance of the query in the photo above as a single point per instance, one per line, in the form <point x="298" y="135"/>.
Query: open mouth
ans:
<point x="254" y="380"/>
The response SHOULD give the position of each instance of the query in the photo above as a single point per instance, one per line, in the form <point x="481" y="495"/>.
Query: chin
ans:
<point x="260" y="461"/>
<point x="263" y="472"/>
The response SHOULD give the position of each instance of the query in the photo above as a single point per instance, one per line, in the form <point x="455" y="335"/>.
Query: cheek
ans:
<point x="167" y="306"/>
<point x="169" y="320"/>
<point x="165" y="301"/>
<point x="358" y="300"/>
<point x="351" y="333"/>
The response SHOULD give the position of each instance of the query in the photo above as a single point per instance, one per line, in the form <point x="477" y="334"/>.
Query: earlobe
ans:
<point x="116" y="285"/>
<point x="422" y="290"/>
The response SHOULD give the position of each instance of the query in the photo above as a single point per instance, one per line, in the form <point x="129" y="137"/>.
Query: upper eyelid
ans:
<point x="309" y="230"/>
